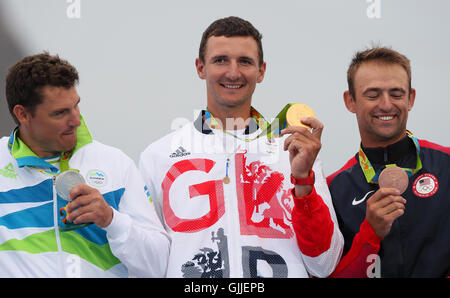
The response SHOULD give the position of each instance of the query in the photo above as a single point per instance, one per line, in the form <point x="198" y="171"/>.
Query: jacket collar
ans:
<point x="202" y="126"/>
<point x="402" y="153"/>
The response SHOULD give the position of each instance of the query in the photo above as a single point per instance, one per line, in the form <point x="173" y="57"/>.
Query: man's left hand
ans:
<point x="303" y="146"/>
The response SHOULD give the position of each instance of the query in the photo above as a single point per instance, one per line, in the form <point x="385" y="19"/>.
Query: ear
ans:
<point x="262" y="71"/>
<point x="349" y="102"/>
<point x="200" y="66"/>
<point x="412" y="98"/>
<point x="22" y="114"/>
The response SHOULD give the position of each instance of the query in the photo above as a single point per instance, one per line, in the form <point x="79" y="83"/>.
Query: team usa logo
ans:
<point x="425" y="185"/>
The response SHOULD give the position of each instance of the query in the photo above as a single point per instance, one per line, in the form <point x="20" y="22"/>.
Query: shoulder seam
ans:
<point x="434" y="146"/>
<point x="350" y="163"/>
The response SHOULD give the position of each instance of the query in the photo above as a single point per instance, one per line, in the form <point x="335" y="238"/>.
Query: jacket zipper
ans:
<point x="232" y="210"/>
<point x="55" y="220"/>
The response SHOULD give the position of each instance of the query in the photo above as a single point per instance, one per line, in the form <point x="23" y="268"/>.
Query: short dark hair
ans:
<point x="27" y="77"/>
<point x="380" y="55"/>
<point x="229" y="27"/>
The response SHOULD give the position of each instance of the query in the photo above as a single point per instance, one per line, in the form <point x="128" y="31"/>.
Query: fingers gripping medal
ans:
<point x="66" y="181"/>
<point x="63" y="185"/>
<point x="297" y="112"/>
<point x="394" y="177"/>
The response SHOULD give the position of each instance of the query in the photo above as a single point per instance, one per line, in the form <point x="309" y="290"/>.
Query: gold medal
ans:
<point x="296" y="112"/>
<point x="226" y="180"/>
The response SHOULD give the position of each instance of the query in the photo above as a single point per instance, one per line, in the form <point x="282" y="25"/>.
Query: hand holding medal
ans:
<point x="303" y="144"/>
<point x="86" y="204"/>
<point x="386" y="204"/>
<point x="64" y="183"/>
<point x="394" y="177"/>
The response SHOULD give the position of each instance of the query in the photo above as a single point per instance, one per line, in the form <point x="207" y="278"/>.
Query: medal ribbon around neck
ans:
<point x="63" y="165"/>
<point x="271" y="130"/>
<point x="64" y="162"/>
<point x="369" y="171"/>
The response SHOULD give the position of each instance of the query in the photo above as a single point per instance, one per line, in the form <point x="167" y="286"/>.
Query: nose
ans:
<point x="74" y="120"/>
<point x="385" y="103"/>
<point x="233" y="72"/>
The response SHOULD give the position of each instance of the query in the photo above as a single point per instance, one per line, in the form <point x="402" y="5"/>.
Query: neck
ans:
<point x="379" y="143"/>
<point x="27" y="140"/>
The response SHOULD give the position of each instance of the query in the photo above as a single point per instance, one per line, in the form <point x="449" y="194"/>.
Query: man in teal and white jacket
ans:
<point x="117" y="232"/>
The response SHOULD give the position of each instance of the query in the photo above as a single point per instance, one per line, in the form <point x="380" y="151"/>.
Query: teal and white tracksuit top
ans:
<point x="32" y="243"/>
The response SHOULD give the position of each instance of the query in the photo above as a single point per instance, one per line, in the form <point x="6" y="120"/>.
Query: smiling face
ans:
<point x="51" y="128"/>
<point x="381" y="103"/>
<point x="231" y="71"/>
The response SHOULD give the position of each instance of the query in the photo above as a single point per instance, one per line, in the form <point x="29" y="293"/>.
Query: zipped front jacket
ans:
<point x="33" y="239"/>
<point x="418" y="244"/>
<point x="226" y="202"/>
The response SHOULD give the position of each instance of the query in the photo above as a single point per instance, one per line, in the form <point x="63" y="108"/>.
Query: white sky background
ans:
<point x="137" y="73"/>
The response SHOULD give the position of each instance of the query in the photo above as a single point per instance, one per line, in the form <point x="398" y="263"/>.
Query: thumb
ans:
<point x="316" y="125"/>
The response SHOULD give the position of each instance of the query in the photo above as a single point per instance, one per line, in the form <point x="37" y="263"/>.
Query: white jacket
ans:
<point x="236" y="228"/>
<point x="32" y="243"/>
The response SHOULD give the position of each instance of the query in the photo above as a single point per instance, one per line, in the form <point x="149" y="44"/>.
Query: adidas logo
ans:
<point x="180" y="152"/>
<point x="8" y="172"/>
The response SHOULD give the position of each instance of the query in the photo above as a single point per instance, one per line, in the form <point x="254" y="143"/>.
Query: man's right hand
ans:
<point x="385" y="206"/>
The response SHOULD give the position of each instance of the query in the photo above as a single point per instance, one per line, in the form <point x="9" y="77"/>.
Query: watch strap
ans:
<point x="304" y="181"/>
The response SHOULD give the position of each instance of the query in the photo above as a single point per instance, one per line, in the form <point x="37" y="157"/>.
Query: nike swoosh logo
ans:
<point x="356" y="202"/>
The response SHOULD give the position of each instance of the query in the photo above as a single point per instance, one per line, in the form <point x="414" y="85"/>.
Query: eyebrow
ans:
<point x="398" y="89"/>
<point x="65" y="109"/>
<point x="218" y="57"/>
<point x="371" y="90"/>
<point x="380" y="89"/>
<point x="227" y="57"/>
<point x="246" y="58"/>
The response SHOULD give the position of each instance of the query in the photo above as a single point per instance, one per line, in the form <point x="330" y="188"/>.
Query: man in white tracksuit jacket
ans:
<point x="222" y="187"/>
<point x="125" y="238"/>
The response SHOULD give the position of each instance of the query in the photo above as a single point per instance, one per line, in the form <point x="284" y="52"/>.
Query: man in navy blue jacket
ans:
<point x="387" y="233"/>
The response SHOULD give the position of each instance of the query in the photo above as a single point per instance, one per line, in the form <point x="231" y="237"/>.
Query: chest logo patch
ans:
<point x="357" y="202"/>
<point x="96" y="178"/>
<point x="425" y="185"/>
<point x="8" y="172"/>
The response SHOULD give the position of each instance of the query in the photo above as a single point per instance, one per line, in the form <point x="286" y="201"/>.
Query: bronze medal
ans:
<point x="395" y="177"/>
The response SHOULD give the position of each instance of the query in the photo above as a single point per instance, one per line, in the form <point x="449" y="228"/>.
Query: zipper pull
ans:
<point x="226" y="179"/>
<point x="385" y="155"/>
